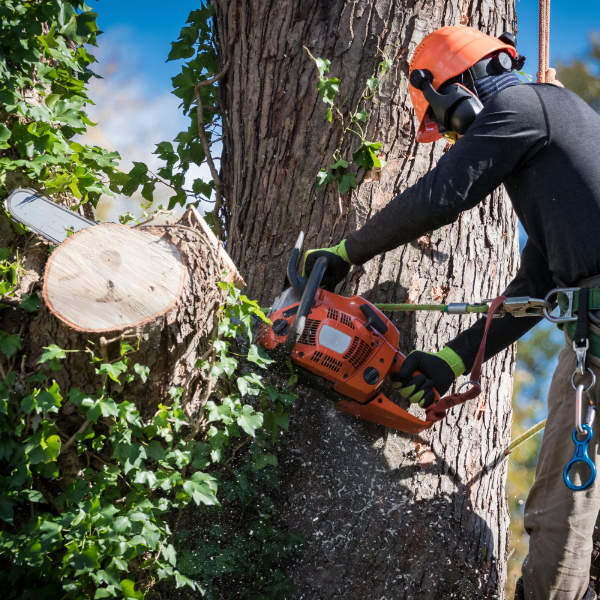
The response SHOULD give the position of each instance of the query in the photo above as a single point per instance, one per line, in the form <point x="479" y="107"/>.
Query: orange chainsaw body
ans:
<point x="351" y="343"/>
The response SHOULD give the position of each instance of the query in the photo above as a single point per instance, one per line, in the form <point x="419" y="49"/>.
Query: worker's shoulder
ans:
<point x="522" y="95"/>
<point x="531" y="95"/>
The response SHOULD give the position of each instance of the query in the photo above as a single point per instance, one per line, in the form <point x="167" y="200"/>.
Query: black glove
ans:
<point x="437" y="371"/>
<point x="338" y="264"/>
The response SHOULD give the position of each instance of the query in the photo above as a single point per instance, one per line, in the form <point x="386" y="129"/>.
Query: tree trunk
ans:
<point x="384" y="515"/>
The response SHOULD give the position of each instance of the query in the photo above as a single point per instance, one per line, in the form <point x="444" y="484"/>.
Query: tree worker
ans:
<point x="541" y="142"/>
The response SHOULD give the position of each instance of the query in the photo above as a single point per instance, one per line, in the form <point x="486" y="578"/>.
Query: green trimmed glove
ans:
<point x="436" y="371"/>
<point x="338" y="264"/>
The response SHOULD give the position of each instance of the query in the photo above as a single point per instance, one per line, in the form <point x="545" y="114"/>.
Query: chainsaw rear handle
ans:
<point x="306" y="302"/>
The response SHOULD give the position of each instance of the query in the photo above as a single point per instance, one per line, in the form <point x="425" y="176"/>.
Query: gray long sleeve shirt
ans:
<point x="541" y="141"/>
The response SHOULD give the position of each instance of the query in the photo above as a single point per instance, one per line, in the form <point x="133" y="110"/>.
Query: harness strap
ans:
<point x="437" y="410"/>
<point x="581" y="330"/>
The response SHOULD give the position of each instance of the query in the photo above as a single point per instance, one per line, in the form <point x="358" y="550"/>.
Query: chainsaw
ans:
<point x="346" y="341"/>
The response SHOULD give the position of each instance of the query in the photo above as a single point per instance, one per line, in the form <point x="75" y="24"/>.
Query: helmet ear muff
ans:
<point x="453" y="105"/>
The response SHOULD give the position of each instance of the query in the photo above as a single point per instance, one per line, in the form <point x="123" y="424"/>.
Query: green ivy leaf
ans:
<point x="339" y="164"/>
<point x="249" y="384"/>
<point x="259" y="356"/>
<point x="328" y="88"/>
<point x="52" y="448"/>
<point x="129" y="591"/>
<point x="147" y="478"/>
<point x="52" y="353"/>
<point x="142" y="371"/>
<point x="347" y="181"/>
<point x="30" y="302"/>
<point x="323" y="65"/>
<point x="169" y="554"/>
<point x="5" y="134"/>
<point x="121" y="525"/>
<point x="9" y="344"/>
<point x="366" y="155"/>
<point x="323" y="177"/>
<point x="372" y="83"/>
<point x="262" y="460"/>
<point x="113" y="370"/>
<point x="202" y="487"/>
<point x="50" y="399"/>
<point x="250" y="420"/>
<point x="361" y="116"/>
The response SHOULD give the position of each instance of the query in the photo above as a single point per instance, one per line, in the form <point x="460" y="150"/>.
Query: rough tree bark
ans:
<point x="384" y="515"/>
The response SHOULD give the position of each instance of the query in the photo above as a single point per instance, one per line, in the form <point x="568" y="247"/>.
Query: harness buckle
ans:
<point x="552" y="298"/>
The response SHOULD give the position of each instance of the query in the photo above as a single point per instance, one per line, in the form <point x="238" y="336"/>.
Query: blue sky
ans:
<point x="146" y="30"/>
<point x="147" y="27"/>
<point x="571" y="22"/>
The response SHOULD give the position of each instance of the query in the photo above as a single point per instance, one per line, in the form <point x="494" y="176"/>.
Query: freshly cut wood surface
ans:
<point x="110" y="277"/>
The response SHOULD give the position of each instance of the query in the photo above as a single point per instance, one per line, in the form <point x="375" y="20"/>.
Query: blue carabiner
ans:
<point x="581" y="455"/>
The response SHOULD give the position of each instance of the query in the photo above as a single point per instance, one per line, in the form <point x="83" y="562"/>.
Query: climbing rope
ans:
<point x="544" y="41"/>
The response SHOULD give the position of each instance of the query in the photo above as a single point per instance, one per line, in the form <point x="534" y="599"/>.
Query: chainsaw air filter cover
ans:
<point x="345" y="340"/>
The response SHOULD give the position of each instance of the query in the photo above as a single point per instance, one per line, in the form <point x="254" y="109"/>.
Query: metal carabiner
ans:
<point x="581" y="455"/>
<point x="524" y="306"/>
<point x="580" y="353"/>
<point x="519" y="306"/>
<point x="568" y="314"/>
<point x="579" y="408"/>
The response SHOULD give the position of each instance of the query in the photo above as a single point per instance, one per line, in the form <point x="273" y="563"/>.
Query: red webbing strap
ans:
<point x="437" y="411"/>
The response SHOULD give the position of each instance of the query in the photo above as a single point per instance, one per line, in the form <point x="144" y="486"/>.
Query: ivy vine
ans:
<point x="123" y="527"/>
<point x="365" y="156"/>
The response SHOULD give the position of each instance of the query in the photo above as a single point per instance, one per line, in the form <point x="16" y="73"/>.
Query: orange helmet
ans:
<point x="446" y="53"/>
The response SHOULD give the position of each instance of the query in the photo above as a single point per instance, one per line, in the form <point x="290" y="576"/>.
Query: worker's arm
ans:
<point x="440" y="369"/>
<point x="509" y="130"/>
<point x="533" y="279"/>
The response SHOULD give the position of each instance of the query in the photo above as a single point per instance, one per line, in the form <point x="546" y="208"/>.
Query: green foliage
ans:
<point x="249" y="564"/>
<point x="93" y="491"/>
<point x="104" y="532"/>
<point x="365" y="155"/>
<point x="43" y="77"/>
<point x="583" y="75"/>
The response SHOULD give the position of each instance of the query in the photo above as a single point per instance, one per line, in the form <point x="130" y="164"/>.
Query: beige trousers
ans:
<point x="560" y="521"/>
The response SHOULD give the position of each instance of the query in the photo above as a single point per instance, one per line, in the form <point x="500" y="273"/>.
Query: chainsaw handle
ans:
<point x="306" y="302"/>
<point x="297" y="281"/>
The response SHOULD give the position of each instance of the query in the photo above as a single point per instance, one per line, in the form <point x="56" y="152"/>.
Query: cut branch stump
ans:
<point x="156" y="283"/>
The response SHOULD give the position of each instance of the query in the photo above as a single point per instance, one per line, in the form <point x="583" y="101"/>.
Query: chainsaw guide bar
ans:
<point x="42" y="216"/>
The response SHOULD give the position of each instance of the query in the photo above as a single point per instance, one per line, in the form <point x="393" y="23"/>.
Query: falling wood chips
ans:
<point x="110" y="277"/>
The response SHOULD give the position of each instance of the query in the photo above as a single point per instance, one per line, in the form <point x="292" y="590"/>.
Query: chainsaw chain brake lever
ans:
<point x="296" y="280"/>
